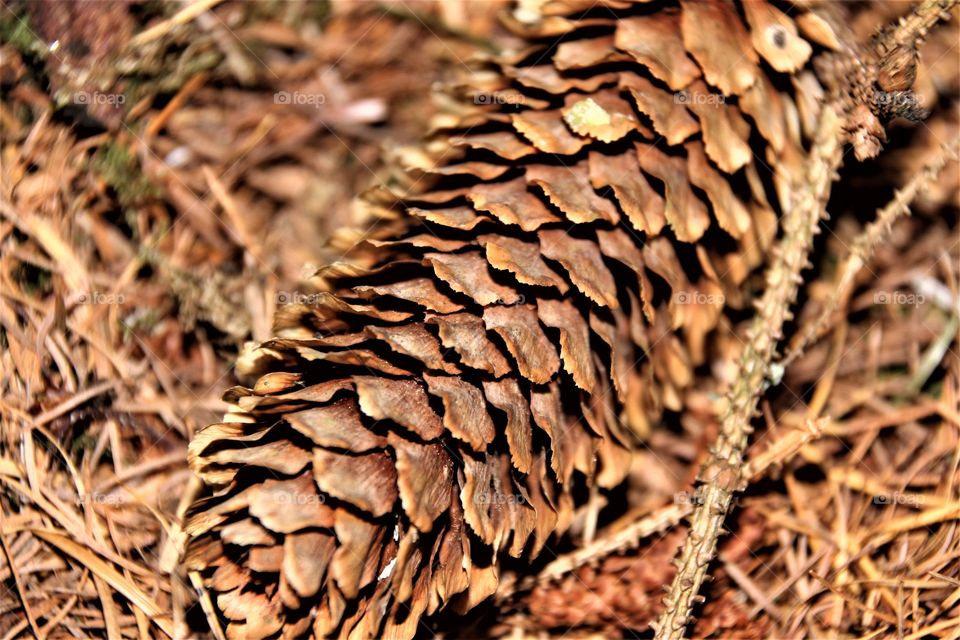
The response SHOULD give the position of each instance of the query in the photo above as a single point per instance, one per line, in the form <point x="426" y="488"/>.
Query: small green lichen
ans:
<point x="121" y="171"/>
<point x="15" y="30"/>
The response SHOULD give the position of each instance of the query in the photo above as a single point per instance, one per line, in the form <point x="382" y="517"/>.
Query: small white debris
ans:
<point x="934" y="290"/>
<point x="776" y="373"/>
<point x="387" y="570"/>
<point x="528" y="12"/>
<point x="179" y="157"/>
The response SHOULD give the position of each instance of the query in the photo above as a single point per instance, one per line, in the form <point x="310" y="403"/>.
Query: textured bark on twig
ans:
<point x="864" y="245"/>
<point x="911" y="29"/>
<point x="851" y="77"/>
<point x="722" y="475"/>
<point x="632" y="533"/>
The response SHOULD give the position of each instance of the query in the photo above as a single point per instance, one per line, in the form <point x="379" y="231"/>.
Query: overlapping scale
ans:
<point x="522" y="326"/>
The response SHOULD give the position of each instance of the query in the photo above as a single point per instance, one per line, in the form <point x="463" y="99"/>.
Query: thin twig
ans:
<point x="778" y="453"/>
<point x="185" y="15"/>
<point x="723" y="473"/>
<point x="911" y="29"/>
<point x="866" y="243"/>
<point x="660" y="520"/>
<point x="27" y="612"/>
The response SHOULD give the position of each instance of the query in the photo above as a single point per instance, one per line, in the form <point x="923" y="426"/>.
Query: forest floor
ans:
<point x="171" y="174"/>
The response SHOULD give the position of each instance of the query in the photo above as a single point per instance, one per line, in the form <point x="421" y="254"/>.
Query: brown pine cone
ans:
<point x="591" y="214"/>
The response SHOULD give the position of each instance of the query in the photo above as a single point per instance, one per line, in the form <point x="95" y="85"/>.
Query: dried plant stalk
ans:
<point x="864" y="245"/>
<point x="851" y="111"/>
<point x="722" y="475"/>
<point x="630" y="534"/>
<point x="909" y="31"/>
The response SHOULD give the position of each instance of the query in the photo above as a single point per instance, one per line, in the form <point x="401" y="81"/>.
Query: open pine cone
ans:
<point x="601" y="198"/>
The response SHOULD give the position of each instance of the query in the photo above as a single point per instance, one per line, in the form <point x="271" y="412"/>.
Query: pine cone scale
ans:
<point x="523" y="322"/>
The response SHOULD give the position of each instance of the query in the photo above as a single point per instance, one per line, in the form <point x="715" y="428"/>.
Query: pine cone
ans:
<point x="592" y="213"/>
